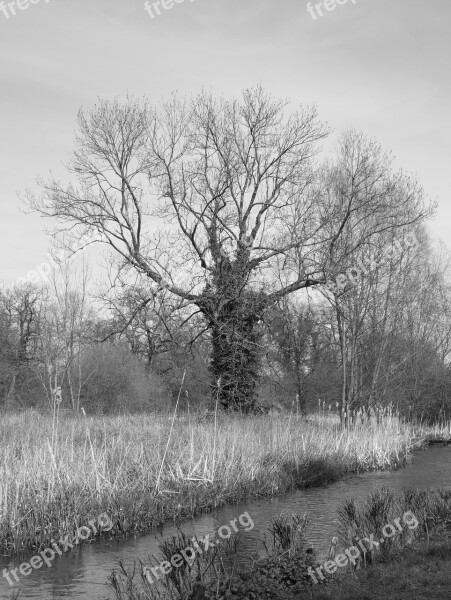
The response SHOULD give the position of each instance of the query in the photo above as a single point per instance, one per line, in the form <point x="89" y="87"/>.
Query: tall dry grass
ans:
<point x="142" y="470"/>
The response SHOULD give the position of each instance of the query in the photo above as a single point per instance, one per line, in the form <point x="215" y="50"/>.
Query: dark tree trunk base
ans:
<point x="236" y="356"/>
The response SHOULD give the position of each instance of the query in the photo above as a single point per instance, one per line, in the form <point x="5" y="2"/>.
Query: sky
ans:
<point x="380" y="66"/>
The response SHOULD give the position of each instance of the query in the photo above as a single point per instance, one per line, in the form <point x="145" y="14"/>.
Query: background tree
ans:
<point x="376" y="207"/>
<point x="300" y="359"/>
<point x="20" y="319"/>
<point x="164" y="331"/>
<point x="66" y="313"/>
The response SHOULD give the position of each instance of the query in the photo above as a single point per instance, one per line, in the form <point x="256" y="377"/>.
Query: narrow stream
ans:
<point x="82" y="573"/>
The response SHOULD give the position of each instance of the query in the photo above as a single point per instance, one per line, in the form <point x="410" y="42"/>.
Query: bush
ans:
<point x="116" y="381"/>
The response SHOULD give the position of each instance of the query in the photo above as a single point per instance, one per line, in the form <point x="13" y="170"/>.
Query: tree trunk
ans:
<point x="301" y="407"/>
<point x="344" y="382"/>
<point x="10" y="400"/>
<point x="236" y="355"/>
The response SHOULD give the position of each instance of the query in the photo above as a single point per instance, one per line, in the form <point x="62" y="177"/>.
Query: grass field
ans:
<point x="143" y="470"/>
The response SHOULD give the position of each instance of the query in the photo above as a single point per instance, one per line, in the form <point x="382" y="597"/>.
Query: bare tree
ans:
<point x="150" y="325"/>
<point x="225" y="174"/>
<point x="20" y="316"/>
<point x="232" y="182"/>
<point x="376" y="208"/>
<point x="63" y="331"/>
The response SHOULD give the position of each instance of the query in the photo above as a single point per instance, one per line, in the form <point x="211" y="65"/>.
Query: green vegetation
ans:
<point x="56" y="475"/>
<point x="420" y="572"/>
<point x="415" y="564"/>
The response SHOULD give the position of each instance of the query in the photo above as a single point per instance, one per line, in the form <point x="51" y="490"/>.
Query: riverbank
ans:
<point x="415" y="564"/>
<point x="143" y="471"/>
<point x="412" y="562"/>
<point x="421" y="573"/>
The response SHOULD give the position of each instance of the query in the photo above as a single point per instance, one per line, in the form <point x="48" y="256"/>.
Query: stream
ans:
<point x="82" y="573"/>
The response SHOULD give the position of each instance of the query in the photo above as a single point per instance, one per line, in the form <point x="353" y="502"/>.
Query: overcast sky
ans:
<point x="381" y="66"/>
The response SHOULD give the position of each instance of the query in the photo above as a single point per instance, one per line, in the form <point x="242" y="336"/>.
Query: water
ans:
<point x="82" y="573"/>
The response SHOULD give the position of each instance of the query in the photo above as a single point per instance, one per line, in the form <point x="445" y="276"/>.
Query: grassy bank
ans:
<point x="144" y="470"/>
<point x="414" y="563"/>
<point x="421" y="573"/>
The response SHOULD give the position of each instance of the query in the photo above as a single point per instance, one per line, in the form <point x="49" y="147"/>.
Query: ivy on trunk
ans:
<point x="235" y="356"/>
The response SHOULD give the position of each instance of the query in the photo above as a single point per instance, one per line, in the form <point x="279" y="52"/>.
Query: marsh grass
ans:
<point x="440" y="431"/>
<point x="416" y="562"/>
<point x="288" y="533"/>
<point x="215" y="566"/>
<point x="55" y="479"/>
<point x="432" y="510"/>
<point x="217" y="573"/>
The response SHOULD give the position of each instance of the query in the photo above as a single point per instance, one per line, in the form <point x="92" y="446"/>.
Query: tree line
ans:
<point x="241" y="253"/>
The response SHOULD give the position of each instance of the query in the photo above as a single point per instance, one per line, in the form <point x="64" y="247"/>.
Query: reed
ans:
<point x="143" y="470"/>
<point x="218" y="573"/>
<point x="432" y="510"/>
